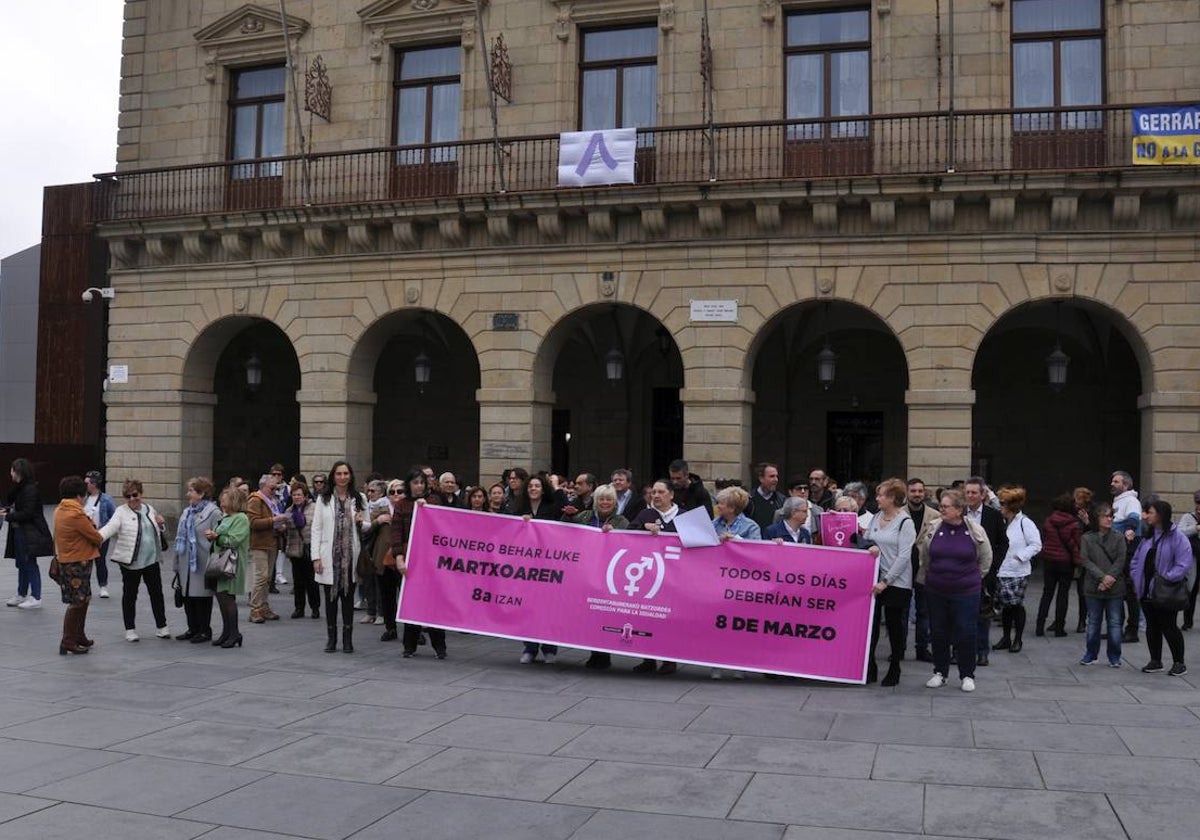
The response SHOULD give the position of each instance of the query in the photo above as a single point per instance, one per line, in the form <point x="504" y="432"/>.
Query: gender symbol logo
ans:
<point x="635" y="571"/>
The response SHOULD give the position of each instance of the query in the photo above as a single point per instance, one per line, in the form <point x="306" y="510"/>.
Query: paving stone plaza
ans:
<point x="165" y="739"/>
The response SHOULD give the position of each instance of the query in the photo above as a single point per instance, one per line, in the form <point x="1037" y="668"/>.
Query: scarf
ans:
<point x="343" y="542"/>
<point x="298" y="517"/>
<point x="185" y="537"/>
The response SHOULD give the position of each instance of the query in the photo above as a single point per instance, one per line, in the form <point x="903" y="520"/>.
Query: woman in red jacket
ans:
<point x="1061" y="533"/>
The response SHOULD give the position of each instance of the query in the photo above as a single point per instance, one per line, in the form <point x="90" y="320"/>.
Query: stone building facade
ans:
<point x="941" y="245"/>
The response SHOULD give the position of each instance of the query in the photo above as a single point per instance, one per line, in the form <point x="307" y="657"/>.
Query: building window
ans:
<point x="428" y="103"/>
<point x="1058" y="61"/>
<point x="256" y="120"/>
<point x="618" y="71"/>
<point x="828" y="72"/>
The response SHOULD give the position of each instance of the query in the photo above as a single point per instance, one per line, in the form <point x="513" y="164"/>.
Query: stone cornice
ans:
<point x="766" y="210"/>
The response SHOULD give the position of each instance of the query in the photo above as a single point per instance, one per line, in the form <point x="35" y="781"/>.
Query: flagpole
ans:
<point x="291" y="69"/>
<point x="491" y="89"/>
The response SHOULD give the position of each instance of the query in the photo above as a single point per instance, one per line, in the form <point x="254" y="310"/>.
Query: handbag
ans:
<point x="55" y="570"/>
<point x="222" y="565"/>
<point x="178" y="591"/>
<point x="1169" y="595"/>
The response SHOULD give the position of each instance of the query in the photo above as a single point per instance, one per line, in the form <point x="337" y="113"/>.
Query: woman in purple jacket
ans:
<point x="1165" y="553"/>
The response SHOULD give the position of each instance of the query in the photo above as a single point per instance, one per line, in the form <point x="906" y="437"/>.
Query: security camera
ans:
<point x="106" y="292"/>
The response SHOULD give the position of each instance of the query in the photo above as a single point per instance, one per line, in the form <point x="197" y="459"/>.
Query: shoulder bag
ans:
<point x="55" y="571"/>
<point x="1169" y="595"/>
<point x="222" y="565"/>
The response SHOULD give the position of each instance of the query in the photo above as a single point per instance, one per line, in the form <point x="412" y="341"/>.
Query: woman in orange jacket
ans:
<point x="77" y="545"/>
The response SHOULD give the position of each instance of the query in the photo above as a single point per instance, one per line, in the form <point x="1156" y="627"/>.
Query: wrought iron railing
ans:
<point x="932" y="143"/>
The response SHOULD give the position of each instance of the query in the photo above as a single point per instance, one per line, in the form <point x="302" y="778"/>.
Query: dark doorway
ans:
<point x="666" y="431"/>
<point x="560" y="441"/>
<point x="1024" y="432"/>
<point x="256" y="425"/>
<point x="854" y="445"/>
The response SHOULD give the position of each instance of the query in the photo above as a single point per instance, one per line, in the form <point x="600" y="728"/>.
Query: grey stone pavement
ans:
<point x="164" y="739"/>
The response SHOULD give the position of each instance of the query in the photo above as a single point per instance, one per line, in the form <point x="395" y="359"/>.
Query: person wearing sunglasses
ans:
<point x="136" y="539"/>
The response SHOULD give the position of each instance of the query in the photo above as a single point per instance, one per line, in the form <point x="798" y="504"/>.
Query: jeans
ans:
<point x="1107" y="610"/>
<point x="130" y="579"/>
<point x="952" y="619"/>
<point x="921" y="620"/>
<point x="102" y="566"/>
<point x="29" y="575"/>
<point x="983" y="630"/>
<point x="1160" y="624"/>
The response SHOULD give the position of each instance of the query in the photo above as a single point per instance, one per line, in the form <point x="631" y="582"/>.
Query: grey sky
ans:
<point x="63" y="59"/>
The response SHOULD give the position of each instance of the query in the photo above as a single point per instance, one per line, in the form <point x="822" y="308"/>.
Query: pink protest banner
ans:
<point x="837" y="529"/>
<point x="789" y="609"/>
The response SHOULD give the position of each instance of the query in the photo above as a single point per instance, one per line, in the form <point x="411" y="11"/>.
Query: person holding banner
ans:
<point x="657" y="518"/>
<point x="792" y="526"/>
<point x="604" y="516"/>
<point x="730" y="522"/>
<point x="415" y="492"/>
<point x="540" y="504"/>
<point x="891" y="535"/>
<point x="954" y="556"/>
<point x="339" y="521"/>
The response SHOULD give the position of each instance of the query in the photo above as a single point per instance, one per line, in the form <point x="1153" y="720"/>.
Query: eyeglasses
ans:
<point x="133" y="495"/>
<point x="396" y="492"/>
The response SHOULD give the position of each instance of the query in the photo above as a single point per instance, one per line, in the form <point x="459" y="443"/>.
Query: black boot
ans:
<point x="892" y="677"/>
<point x="1018" y="628"/>
<point x="331" y="645"/>
<point x="1006" y="622"/>
<point x="347" y="641"/>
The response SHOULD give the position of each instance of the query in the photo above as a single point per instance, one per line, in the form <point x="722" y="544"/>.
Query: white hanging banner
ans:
<point x="592" y="158"/>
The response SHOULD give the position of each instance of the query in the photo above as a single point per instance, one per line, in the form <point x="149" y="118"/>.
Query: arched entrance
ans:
<point x="849" y="417"/>
<point x="435" y="421"/>
<point x="616" y="373"/>
<point x="1050" y="440"/>
<point x="249" y="366"/>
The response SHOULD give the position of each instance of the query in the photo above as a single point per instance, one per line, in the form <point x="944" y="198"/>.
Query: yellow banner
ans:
<point x="1166" y="149"/>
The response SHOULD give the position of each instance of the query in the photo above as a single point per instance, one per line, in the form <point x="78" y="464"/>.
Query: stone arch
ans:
<point x="231" y="424"/>
<point x="857" y="425"/>
<point x="633" y="421"/>
<point x="1025" y="432"/>
<point x="410" y="422"/>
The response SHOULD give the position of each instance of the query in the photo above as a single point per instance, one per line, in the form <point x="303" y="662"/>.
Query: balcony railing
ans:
<point x="1043" y="139"/>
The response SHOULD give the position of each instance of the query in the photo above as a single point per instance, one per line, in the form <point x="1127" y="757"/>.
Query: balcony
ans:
<point x="1097" y="138"/>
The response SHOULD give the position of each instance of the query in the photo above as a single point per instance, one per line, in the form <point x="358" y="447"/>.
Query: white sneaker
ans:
<point x="280" y="580"/>
<point x="379" y="620"/>
<point x="163" y="632"/>
<point x="367" y="619"/>
<point x="15" y="601"/>
<point x="131" y="636"/>
<point x="30" y="603"/>
<point x="550" y="658"/>
<point x="937" y="681"/>
<point x="968" y="684"/>
<point x="526" y="658"/>
<point x="104" y="592"/>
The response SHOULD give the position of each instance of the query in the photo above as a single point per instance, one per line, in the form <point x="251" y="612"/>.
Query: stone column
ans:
<point x="716" y="431"/>
<point x="939" y="435"/>
<point x="1170" y="446"/>
<point x="514" y="430"/>
<point x="161" y="438"/>
<point x="336" y="425"/>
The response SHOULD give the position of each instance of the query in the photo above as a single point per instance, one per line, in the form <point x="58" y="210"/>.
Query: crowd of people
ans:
<point x="951" y="565"/>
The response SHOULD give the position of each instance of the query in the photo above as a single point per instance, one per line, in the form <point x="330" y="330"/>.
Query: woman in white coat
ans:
<point x="138" y="541"/>
<point x="339" y="522"/>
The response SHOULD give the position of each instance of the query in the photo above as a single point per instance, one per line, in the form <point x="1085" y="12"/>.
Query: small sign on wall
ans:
<point x="118" y="374"/>
<point x="715" y="310"/>
<point x="506" y="321"/>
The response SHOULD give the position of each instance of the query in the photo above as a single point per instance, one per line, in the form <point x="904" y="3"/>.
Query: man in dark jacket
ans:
<point x="689" y="489"/>
<point x="765" y="499"/>
<point x="819" y="493"/>
<point x="629" y="501"/>
<point x="918" y="506"/>
<point x="993" y="524"/>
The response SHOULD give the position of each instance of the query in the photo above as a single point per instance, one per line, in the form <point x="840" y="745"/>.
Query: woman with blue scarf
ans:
<point x="192" y="549"/>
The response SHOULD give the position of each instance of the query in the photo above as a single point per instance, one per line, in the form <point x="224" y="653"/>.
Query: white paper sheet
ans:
<point x="695" y="529"/>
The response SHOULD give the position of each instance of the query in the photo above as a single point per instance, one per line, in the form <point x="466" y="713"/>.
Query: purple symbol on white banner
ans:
<point x="593" y="158"/>
<point x="595" y="145"/>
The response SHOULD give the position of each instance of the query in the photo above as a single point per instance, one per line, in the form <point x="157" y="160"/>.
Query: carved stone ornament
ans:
<point x="768" y="9"/>
<point x="666" y="15"/>
<point x="604" y="12"/>
<point x="248" y="33"/>
<point x="397" y="21"/>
